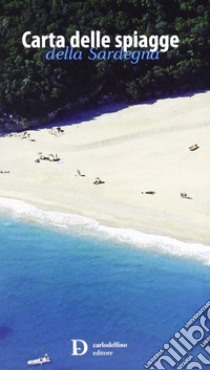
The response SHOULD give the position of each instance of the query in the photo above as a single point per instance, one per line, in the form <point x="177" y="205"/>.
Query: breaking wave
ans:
<point x="90" y="227"/>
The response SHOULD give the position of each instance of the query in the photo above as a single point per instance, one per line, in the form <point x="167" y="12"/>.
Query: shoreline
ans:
<point x="134" y="150"/>
<point x="88" y="227"/>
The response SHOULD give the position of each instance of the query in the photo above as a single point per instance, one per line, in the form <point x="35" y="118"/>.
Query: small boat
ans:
<point x="40" y="361"/>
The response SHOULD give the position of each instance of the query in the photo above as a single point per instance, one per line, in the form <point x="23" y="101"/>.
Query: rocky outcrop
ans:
<point x="14" y="123"/>
<point x="9" y="123"/>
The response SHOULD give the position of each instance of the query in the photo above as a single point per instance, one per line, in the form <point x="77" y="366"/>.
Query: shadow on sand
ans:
<point x="84" y="114"/>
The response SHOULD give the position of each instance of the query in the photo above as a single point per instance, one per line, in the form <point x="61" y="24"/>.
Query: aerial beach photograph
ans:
<point x="104" y="187"/>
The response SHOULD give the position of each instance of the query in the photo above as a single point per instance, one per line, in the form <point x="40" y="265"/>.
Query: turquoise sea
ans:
<point x="56" y="286"/>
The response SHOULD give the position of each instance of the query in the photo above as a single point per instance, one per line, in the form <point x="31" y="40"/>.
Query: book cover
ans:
<point x="104" y="184"/>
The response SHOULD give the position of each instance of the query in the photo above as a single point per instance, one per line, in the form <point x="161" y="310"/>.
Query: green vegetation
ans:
<point x="31" y="86"/>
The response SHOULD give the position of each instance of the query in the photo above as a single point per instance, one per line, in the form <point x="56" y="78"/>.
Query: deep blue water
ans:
<point x="56" y="287"/>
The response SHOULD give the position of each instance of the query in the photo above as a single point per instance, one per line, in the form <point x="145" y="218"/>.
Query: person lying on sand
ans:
<point x="148" y="192"/>
<point x="98" y="181"/>
<point x="25" y="135"/>
<point x="185" y="195"/>
<point x="56" y="131"/>
<point x="79" y="174"/>
<point x="49" y="157"/>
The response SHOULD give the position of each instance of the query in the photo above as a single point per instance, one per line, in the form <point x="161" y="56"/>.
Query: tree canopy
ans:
<point x="31" y="86"/>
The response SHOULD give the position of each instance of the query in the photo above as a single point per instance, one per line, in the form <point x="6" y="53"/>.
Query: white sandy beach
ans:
<point x="137" y="149"/>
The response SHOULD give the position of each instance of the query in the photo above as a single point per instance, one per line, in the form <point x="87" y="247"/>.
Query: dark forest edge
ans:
<point x="33" y="90"/>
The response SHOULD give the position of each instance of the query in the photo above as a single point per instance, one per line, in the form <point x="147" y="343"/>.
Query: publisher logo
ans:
<point x="79" y="347"/>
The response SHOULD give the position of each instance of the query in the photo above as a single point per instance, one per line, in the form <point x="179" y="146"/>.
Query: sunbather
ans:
<point x="98" y="181"/>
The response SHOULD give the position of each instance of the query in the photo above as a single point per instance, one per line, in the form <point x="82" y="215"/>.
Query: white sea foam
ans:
<point x="90" y="227"/>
